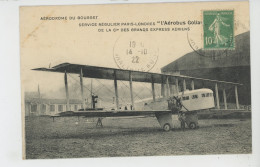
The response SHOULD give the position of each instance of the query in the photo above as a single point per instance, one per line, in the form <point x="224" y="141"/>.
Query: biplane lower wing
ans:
<point x="113" y="113"/>
<point x="164" y="117"/>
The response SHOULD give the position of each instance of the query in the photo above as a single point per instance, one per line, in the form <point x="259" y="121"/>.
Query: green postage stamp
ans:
<point x="218" y="29"/>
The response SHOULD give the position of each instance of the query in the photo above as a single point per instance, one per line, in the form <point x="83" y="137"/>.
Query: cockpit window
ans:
<point x="185" y="98"/>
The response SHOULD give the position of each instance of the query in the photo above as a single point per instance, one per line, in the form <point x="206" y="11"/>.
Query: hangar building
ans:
<point x="226" y="65"/>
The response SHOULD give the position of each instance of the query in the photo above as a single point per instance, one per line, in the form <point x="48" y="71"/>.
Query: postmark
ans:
<point x="213" y="54"/>
<point x="218" y="29"/>
<point x="137" y="52"/>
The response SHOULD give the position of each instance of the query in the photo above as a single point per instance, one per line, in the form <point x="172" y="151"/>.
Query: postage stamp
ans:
<point x="218" y="29"/>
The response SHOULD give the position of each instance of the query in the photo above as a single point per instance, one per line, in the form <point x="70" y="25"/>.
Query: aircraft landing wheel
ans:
<point x="166" y="127"/>
<point x="192" y="125"/>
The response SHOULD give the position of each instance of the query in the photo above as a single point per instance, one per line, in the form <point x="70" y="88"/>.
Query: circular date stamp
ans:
<point x="137" y="52"/>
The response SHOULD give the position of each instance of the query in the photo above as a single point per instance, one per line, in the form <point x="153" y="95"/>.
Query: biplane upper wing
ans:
<point x="120" y="74"/>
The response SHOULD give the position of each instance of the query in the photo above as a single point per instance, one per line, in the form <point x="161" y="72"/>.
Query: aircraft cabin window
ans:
<point x="207" y="95"/>
<point x="203" y="95"/>
<point x="194" y="96"/>
<point x="185" y="98"/>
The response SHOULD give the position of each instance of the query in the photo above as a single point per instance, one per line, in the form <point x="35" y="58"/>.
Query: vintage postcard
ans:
<point x="120" y="80"/>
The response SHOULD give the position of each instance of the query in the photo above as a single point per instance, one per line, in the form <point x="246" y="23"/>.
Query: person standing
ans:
<point x="182" y="120"/>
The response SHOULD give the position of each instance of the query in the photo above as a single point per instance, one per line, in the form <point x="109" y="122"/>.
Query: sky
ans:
<point x="46" y="43"/>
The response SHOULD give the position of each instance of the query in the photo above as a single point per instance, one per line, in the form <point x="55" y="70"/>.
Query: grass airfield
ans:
<point x="70" y="137"/>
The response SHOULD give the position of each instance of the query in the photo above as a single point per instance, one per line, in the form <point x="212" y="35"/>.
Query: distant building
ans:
<point x="44" y="106"/>
<point x="225" y="65"/>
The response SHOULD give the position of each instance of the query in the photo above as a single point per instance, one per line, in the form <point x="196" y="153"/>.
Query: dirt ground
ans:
<point x="73" y="138"/>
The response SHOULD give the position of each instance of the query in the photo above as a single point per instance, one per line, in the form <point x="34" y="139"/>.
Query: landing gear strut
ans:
<point x="165" y="120"/>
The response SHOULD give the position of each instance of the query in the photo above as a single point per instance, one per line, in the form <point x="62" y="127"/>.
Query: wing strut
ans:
<point x="116" y="91"/>
<point x="177" y="86"/>
<point x="225" y="98"/>
<point x="236" y="94"/>
<point x="131" y="89"/>
<point x="82" y="90"/>
<point x="167" y="87"/>
<point x="162" y="88"/>
<point x="184" y="85"/>
<point x="171" y="88"/>
<point x="217" y="97"/>
<point x="192" y="84"/>
<point x="153" y="89"/>
<point x="67" y="91"/>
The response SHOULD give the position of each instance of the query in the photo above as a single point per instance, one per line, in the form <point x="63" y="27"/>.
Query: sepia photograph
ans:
<point x="130" y="80"/>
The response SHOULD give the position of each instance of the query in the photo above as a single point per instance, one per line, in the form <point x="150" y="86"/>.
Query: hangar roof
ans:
<point x="240" y="56"/>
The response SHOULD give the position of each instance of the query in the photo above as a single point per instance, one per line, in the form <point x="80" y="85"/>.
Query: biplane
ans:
<point x="175" y="97"/>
